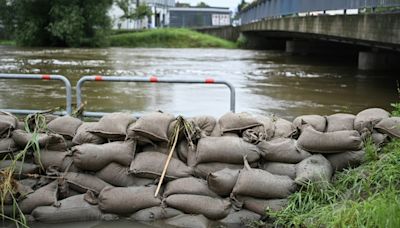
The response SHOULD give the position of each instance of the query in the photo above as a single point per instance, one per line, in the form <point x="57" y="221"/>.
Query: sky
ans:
<point x="232" y="4"/>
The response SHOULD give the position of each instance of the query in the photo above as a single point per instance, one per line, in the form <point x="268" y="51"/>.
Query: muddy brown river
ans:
<point x="267" y="82"/>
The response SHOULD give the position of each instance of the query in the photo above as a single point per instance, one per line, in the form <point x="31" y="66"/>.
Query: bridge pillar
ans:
<point x="378" y="61"/>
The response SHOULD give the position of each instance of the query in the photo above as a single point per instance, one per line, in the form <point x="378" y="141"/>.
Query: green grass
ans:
<point x="8" y="42"/>
<point x="366" y="196"/>
<point x="169" y="38"/>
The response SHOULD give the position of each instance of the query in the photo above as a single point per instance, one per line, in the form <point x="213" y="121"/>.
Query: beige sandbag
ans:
<point x="368" y="118"/>
<point x="119" y="176"/>
<point x="315" y="169"/>
<point x="346" y="160"/>
<point x="192" y="221"/>
<point x="240" y="218"/>
<point x="330" y="142"/>
<point x="65" y="126"/>
<point x="153" y="126"/>
<point x="205" y="123"/>
<point x="58" y="160"/>
<point x="151" y="165"/>
<point x="155" y="213"/>
<point x="340" y="122"/>
<point x="72" y="209"/>
<point x="94" y="157"/>
<point x="82" y="183"/>
<point x="204" y="169"/>
<point x="260" y="133"/>
<point x="212" y="208"/>
<point x="7" y="146"/>
<point x="188" y="185"/>
<point x="161" y="147"/>
<point x="83" y="134"/>
<point x="262" y="184"/>
<point x="316" y="121"/>
<point x="282" y="150"/>
<point x="114" y="126"/>
<point x="186" y="153"/>
<point x="237" y="122"/>
<point x="20" y="167"/>
<point x="279" y="168"/>
<point x="223" y="181"/>
<point x="217" y="132"/>
<point x="283" y="128"/>
<point x="8" y="123"/>
<point x="22" y="138"/>
<point x="127" y="200"/>
<point x="390" y="126"/>
<point x="225" y="149"/>
<point x="260" y="206"/>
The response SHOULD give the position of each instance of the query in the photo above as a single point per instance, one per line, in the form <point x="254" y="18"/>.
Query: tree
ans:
<point x="182" y="5"/>
<point x="71" y="23"/>
<point x="202" y="5"/>
<point x="142" y="11"/>
<point x="242" y="5"/>
<point x="124" y="6"/>
<point x="7" y="19"/>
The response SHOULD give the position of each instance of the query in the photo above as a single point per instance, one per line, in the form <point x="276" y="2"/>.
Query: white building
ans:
<point x="159" y="18"/>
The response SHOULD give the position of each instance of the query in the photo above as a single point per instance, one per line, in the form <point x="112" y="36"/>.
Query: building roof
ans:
<point x="196" y="9"/>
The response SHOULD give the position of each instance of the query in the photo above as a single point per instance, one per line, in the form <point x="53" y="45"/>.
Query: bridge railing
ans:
<point x="262" y="9"/>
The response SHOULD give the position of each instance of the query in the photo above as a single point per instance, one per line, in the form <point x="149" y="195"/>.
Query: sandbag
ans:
<point x="43" y="196"/>
<point x="155" y="213"/>
<point x="282" y="150"/>
<point x="260" y="133"/>
<point x="61" y="161"/>
<point x="22" y="138"/>
<point x="315" y="169"/>
<point x="119" y="176"/>
<point x="127" y="200"/>
<point x="390" y="126"/>
<point x="20" y="191"/>
<point x="161" y="147"/>
<point x="225" y="149"/>
<point x="193" y="221"/>
<point x="330" y="142"/>
<point x="151" y="165"/>
<point x="260" y="206"/>
<point x="188" y="185"/>
<point x="237" y="122"/>
<point x="262" y="184"/>
<point x="204" y="169"/>
<point x="279" y="168"/>
<point x="84" y="135"/>
<point x="379" y="139"/>
<point x="186" y="153"/>
<point x="20" y="168"/>
<point x="72" y="209"/>
<point x="217" y="132"/>
<point x="283" y="128"/>
<point x="212" y="208"/>
<point x="240" y="218"/>
<point x="7" y="146"/>
<point x="205" y="123"/>
<point x="223" y="181"/>
<point x="82" y="183"/>
<point x="113" y="126"/>
<point x="349" y="159"/>
<point x="94" y="157"/>
<point x="153" y="126"/>
<point x="65" y="126"/>
<point x="368" y="118"/>
<point x="8" y="123"/>
<point x="316" y="121"/>
<point x="340" y="122"/>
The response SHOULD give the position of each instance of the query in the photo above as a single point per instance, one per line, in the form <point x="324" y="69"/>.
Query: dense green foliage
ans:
<point x="169" y="38"/>
<point x="70" y="23"/>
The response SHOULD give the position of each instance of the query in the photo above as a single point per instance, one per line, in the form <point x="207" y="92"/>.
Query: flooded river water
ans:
<point x="267" y="82"/>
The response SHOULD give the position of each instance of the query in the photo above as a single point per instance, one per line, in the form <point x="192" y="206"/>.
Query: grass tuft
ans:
<point x="8" y="42"/>
<point x="169" y="38"/>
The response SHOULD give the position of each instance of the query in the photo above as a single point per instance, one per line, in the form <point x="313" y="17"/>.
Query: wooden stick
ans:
<point x="168" y="160"/>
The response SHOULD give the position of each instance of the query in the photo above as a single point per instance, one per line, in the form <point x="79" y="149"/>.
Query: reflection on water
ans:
<point x="267" y="82"/>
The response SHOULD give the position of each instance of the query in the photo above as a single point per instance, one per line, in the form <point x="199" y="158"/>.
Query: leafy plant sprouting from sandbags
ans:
<point x="34" y="124"/>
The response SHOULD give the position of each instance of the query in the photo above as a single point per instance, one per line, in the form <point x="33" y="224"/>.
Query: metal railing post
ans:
<point x="80" y="83"/>
<point x="46" y="77"/>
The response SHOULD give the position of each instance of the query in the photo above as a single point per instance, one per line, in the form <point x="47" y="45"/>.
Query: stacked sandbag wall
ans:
<point x="229" y="170"/>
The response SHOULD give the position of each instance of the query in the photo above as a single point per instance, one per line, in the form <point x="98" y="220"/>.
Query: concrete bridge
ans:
<point x="373" y="37"/>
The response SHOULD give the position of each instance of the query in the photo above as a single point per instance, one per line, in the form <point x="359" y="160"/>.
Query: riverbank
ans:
<point x="169" y="38"/>
<point x="366" y="196"/>
<point x="7" y="42"/>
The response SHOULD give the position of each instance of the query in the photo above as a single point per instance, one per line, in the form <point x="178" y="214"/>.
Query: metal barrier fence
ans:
<point x="68" y="106"/>
<point x="261" y="9"/>
<point x="146" y="80"/>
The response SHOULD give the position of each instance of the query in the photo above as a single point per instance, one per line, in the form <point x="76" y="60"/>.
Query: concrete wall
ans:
<point x="379" y="30"/>
<point x="226" y="32"/>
